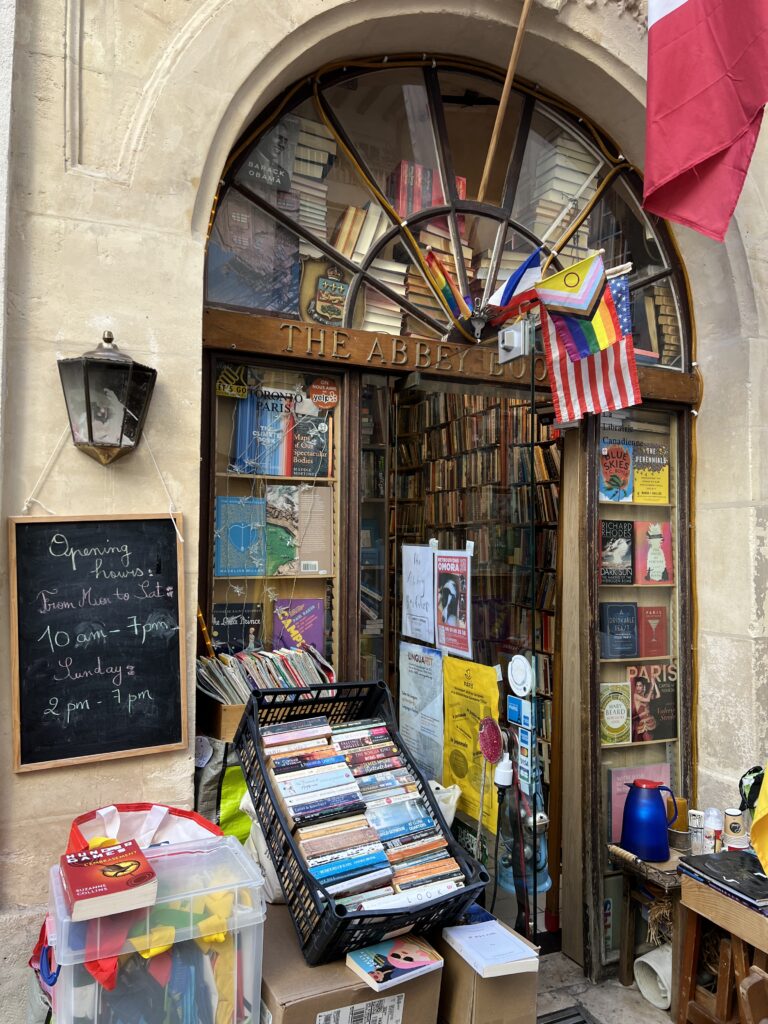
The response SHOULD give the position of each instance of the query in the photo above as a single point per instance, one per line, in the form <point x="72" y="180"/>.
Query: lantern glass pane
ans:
<point x="107" y="391"/>
<point x="139" y="393"/>
<point x="72" y="382"/>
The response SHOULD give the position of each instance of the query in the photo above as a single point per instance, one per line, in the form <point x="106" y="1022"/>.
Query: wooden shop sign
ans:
<point x="342" y="346"/>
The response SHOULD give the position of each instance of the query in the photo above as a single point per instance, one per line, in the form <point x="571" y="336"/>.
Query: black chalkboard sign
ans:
<point x="98" y="638"/>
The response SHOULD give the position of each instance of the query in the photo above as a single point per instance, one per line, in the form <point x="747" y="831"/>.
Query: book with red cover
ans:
<point x="109" y="880"/>
<point x="652" y="631"/>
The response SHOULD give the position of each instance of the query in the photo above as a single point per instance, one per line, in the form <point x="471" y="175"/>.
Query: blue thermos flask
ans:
<point x="644" y="825"/>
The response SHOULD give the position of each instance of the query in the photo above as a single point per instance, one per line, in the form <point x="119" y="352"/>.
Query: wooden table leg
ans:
<point x="740" y="970"/>
<point x="690" y="938"/>
<point x="678" y="919"/>
<point x="627" y="941"/>
<point x="724" y="991"/>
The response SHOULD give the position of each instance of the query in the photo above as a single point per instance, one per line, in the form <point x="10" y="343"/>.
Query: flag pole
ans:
<point x="504" y="100"/>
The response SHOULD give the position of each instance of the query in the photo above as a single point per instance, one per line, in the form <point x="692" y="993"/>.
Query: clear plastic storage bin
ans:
<point x="194" y="956"/>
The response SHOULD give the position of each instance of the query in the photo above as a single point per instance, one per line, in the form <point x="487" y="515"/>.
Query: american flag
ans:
<point x="601" y="382"/>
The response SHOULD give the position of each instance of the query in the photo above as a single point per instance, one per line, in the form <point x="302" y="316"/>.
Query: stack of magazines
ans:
<point x="232" y="678"/>
<point x="360" y="824"/>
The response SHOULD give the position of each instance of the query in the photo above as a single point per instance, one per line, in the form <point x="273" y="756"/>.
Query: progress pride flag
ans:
<point x="707" y="86"/>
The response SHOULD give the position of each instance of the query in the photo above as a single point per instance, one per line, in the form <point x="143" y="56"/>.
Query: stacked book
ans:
<point x="361" y="827"/>
<point x="315" y="153"/>
<point x="358" y="228"/>
<point x="412" y="187"/>
<point x="232" y="678"/>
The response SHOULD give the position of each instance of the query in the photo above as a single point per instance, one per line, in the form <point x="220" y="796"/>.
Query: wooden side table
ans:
<point x="665" y="876"/>
<point x="744" y="927"/>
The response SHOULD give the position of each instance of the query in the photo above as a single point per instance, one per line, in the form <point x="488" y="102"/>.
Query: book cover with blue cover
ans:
<point x="264" y="433"/>
<point x="616" y="463"/>
<point x="618" y="629"/>
<point x="394" y="961"/>
<point x="240" y="547"/>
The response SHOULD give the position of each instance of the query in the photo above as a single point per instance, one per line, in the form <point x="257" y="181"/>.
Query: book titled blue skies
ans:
<point x="240" y="547"/>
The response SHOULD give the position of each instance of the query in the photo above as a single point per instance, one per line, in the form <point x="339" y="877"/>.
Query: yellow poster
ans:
<point x="471" y="694"/>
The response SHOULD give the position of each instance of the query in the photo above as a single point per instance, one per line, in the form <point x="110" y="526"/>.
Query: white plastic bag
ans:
<point x="256" y="846"/>
<point x="447" y="799"/>
<point x="149" y="824"/>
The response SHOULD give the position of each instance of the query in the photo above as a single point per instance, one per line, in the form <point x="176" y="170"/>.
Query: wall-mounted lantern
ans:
<point x="107" y="396"/>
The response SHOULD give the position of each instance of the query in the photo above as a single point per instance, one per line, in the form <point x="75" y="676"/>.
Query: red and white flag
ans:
<point x="707" y="86"/>
<point x="598" y="383"/>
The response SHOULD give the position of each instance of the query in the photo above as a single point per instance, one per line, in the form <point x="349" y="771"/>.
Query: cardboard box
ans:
<point x="293" y="993"/>
<point x="466" y="998"/>
<point x="217" y="720"/>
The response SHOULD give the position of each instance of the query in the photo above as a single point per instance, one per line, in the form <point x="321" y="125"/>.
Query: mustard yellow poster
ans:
<point x="471" y="694"/>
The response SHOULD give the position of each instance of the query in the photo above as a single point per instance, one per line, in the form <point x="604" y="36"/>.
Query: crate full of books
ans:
<point x="353" y="830"/>
<point x="135" y="933"/>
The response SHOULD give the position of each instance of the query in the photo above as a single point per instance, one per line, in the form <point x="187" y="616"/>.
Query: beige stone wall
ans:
<point x="123" y="114"/>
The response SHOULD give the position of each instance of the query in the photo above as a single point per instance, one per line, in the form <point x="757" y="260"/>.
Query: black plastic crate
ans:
<point x="327" y="932"/>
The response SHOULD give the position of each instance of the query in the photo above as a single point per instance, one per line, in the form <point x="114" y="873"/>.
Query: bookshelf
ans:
<point x="640" y="570"/>
<point x="273" y="513"/>
<point x="375" y="611"/>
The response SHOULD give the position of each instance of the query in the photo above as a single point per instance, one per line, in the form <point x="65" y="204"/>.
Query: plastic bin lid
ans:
<point x="204" y="890"/>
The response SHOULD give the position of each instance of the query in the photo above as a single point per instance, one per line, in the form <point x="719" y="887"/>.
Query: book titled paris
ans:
<point x="654" y="565"/>
<point x="264" y="433"/>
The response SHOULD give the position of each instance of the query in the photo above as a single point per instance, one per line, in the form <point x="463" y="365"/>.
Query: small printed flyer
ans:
<point x="421" y="706"/>
<point x="453" y="619"/>
<point x="418" y="593"/>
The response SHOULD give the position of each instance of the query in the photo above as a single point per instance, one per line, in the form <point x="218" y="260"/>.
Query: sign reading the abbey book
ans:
<point x="339" y="346"/>
<point x="97" y="638"/>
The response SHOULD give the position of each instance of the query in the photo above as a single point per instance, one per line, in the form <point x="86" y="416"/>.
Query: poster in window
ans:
<point x="418" y="593"/>
<point x="453" y="602"/>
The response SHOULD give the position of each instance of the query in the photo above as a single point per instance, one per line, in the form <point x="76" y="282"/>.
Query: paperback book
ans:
<point x="394" y="961"/>
<point x="653" y="631"/>
<point x="237" y="627"/>
<point x="240" y="537"/>
<point x="654" y="564"/>
<point x="491" y="949"/>
<point x="615" y="713"/>
<point x="737" y="872"/>
<point x="651" y="485"/>
<point x="616" y="547"/>
<point x="109" y="880"/>
<point x="618" y="629"/>
<point x="311" y="445"/>
<point x="282" y="529"/>
<point x="616" y="470"/>
<point x="299" y="621"/>
<point x="654" y="701"/>
<point x="263" y="434"/>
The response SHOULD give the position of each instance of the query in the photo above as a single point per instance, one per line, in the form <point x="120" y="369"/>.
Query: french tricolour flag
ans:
<point x="707" y="86"/>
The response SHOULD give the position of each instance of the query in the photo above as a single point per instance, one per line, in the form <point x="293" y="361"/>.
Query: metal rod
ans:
<point x="504" y="100"/>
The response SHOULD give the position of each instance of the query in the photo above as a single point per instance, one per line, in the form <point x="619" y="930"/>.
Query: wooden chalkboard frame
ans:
<point x="18" y="765"/>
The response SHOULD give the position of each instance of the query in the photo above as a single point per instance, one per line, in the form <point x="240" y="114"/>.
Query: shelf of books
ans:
<point x="275" y="515"/>
<point x="638" y="616"/>
<point x="374" y="472"/>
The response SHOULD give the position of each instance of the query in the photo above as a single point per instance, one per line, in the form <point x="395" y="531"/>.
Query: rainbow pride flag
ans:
<point x="582" y="309"/>
<point x="444" y="284"/>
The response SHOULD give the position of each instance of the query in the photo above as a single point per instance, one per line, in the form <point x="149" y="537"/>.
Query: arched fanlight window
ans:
<point x="331" y="198"/>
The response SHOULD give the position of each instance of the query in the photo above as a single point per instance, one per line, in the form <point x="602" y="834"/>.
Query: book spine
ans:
<point x="378" y="766"/>
<point x="373" y="753"/>
<point x="331" y="782"/>
<point x="363" y="850"/>
<point x="320" y="799"/>
<point x="339" y="810"/>
<point x="287" y="764"/>
<point x="405" y="828"/>
<point x="417" y="187"/>
<point x="351" y="865"/>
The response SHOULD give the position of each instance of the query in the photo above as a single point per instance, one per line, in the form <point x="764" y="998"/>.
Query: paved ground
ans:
<point x="562" y="984"/>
